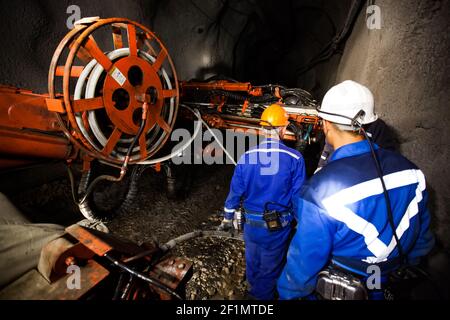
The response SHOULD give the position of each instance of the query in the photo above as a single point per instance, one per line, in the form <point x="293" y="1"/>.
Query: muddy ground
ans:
<point x="219" y="266"/>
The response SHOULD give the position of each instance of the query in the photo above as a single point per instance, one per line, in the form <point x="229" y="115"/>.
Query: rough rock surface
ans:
<point x="406" y="65"/>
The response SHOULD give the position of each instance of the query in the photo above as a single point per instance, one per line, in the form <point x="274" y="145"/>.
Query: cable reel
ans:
<point x="107" y="69"/>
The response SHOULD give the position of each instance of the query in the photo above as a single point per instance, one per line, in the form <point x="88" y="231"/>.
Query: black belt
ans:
<point x="261" y="223"/>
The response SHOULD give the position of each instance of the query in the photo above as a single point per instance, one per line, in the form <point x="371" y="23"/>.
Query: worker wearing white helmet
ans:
<point x="346" y="97"/>
<point x="348" y="211"/>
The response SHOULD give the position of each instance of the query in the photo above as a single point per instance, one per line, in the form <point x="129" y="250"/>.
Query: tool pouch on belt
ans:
<point x="273" y="220"/>
<point x="334" y="284"/>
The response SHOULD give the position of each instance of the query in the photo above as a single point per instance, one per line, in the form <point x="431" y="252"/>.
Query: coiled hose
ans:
<point x="85" y="207"/>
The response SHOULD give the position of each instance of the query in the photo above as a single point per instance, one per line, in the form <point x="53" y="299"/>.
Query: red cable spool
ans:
<point x="104" y="85"/>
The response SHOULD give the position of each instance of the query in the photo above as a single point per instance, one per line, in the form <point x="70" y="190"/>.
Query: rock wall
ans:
<point x="406" y="65"/>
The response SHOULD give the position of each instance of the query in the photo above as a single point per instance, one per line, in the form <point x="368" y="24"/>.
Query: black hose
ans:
<point x="132" y="189"/>
<point x="144" y="277"/>
<point x="386" y="197"/>
<point x="232" y="95"/>
<point x="85" y="189"/>
<point x="267" y="98"/>
<point x="117" y="291"/>
<point x="136" y="137"/>
<point x="85" y="207"/>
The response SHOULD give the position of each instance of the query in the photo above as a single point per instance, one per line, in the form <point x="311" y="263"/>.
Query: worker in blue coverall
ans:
<point x="342" y="211"/>
<point x="267" y="177"/>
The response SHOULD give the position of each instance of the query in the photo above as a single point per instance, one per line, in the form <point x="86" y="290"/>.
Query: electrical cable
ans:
<point x="386" y="197"/>
<point x="144" y="277"/>
<point x="89" y="190"/>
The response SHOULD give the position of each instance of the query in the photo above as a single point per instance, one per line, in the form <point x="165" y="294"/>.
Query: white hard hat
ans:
<point x="347" y="99"/>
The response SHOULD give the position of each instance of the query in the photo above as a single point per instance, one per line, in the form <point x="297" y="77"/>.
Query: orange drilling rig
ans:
<point x="114" y="96"/>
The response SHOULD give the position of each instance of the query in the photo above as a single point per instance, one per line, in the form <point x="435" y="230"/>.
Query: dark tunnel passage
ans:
<point x="307" y="44"/>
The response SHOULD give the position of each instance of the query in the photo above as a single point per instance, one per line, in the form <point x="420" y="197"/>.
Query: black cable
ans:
<point x="136" y="138"/>
<point x="116" y="295"/>
<point x="144" y="277"/>
<point x="402" y="255"/>
<point x="72" y="184"/>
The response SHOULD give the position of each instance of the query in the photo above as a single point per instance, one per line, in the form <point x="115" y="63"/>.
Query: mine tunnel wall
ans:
<point x="405" y="63"/>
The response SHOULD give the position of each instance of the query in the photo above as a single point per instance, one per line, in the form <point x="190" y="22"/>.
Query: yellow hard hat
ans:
<point x="274" y="116"/>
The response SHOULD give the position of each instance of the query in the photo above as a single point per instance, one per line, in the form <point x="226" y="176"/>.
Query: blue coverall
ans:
<point x="270" y="172"/>
<point x="342" y="216"/>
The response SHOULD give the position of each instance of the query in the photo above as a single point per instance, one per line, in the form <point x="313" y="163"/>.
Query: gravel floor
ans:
<point x="219" y="265"/>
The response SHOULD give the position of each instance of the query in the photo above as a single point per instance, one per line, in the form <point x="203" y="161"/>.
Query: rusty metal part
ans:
<point x="126" y="78"/>
<point x="173" y="273"/>
<point x="58" y="254"/>
<point x="166" y="273"/>
<point x="239" y="124"/>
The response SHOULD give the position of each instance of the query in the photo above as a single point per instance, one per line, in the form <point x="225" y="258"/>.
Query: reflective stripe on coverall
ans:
<point x="342" y="213"/>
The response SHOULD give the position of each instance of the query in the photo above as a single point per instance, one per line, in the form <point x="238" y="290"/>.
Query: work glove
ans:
<point x="226" y="225"/>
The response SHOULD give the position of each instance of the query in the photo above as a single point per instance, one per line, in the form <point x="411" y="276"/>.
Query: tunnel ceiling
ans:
<point x="260" y="41"/>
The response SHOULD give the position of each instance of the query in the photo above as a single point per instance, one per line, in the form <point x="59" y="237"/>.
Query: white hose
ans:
<point x="183" y="147"/>
<point x="188" y="143"/>
<point x="218" y="142"/>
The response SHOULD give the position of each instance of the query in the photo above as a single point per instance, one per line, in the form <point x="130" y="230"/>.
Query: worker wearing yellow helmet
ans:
<point x="274" y="116"/>
<point x="266" y="180"/>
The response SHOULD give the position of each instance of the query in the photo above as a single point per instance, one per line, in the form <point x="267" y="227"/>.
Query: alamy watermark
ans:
<point x="74" y="12"/>
<point x="73" y="281"/>
<point x="224" y="148"/>
<point x="373" y="282"/>
<point x="373" y="17"/>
